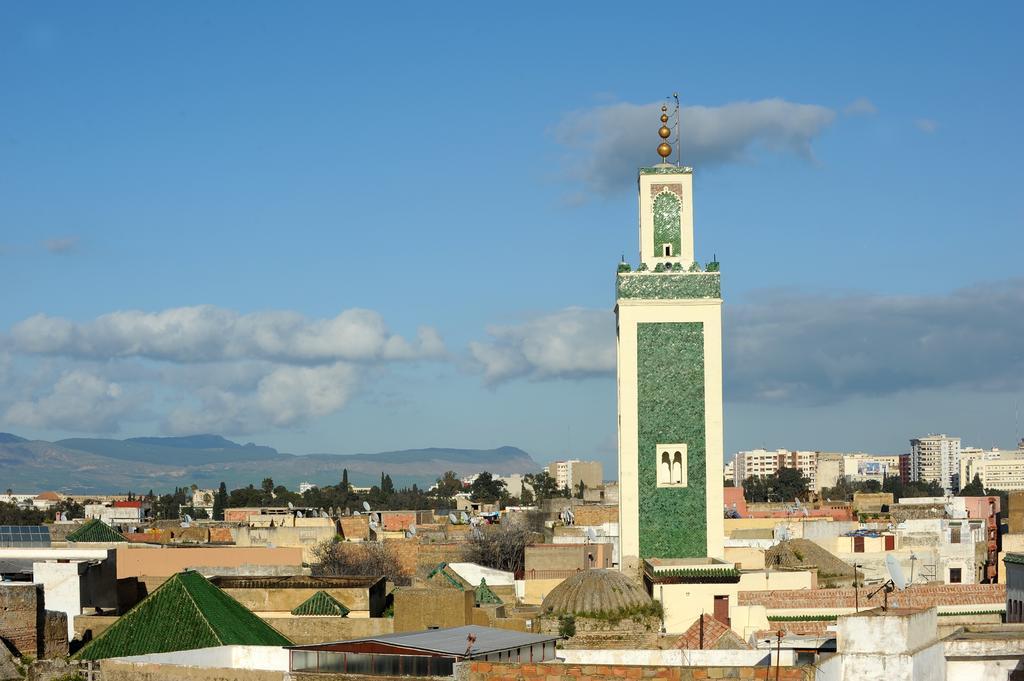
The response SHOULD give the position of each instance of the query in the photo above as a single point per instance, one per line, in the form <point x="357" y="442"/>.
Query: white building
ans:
<point x="306" y="486"/>
<point x="936" y="458"/>
<point x="729" y="472"/>
<point x="998" y="469"/>
<point x="760" y="463"/>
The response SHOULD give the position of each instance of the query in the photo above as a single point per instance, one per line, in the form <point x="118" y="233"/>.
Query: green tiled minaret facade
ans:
<point x="669" y="337"/>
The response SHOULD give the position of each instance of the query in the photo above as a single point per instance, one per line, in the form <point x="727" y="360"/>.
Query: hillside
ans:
<point x="95" y="466"/>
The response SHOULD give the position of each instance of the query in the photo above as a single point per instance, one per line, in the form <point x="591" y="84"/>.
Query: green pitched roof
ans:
<point x="95" y="531"/>
<point x="485" y="596"/>
<point x="185" y="613"/>
<point x="321" y="604"/>
<point x="444" y="571"/>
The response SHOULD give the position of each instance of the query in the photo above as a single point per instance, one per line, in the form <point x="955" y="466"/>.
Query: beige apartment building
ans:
<point x="571" y="472"/>
<point x="759" y="463"/>
<point x="998" y="469"/>
<point x="936" y="457"/>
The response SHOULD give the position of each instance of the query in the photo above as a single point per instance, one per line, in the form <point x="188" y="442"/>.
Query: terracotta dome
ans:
<point x="595" y="591"/>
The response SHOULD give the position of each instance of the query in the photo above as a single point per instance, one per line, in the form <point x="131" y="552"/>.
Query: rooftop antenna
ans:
<point x="679" y="117"/>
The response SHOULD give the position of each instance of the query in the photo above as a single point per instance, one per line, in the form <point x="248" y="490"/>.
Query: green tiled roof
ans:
<point x="95" y="531"/>
<point x="444" y="571"/>
<point x="185" y="613"/>
<point x="485" y="596"/>
<point x="1014" y="558"/>
<point x="321" y="604"/>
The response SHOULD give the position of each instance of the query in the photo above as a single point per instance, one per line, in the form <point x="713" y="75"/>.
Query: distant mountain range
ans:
<point x="98" y="466"/>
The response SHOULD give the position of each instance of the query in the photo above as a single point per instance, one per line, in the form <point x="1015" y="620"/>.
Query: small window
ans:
<point x="667" y="250"/>
<point x="954" y="535"/>
<point x="858" y="544"/>
<point x="954" y="575"/>
<point x="671" y="463"/>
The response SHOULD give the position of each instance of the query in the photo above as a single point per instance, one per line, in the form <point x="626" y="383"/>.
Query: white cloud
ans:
<point x="79" y="401"/>
<point x="927" y="125"/>
<point x="64" y="244"/>
<point x="790" y="348"/>
<point x="862" y="106"/>
<point x="608" y="142"/>
<point x="287" y="396"/>
<point x="207" y="333"/>
<point x="571" y="343"/>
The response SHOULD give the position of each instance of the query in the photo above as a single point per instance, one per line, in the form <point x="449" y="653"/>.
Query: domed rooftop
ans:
<point x="595" y="591"/>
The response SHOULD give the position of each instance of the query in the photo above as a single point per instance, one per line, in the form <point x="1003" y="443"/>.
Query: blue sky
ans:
<point x="191" y="198"/>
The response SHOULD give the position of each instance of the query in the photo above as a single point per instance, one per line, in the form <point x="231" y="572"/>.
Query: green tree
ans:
<point x="12" y="514"/>
<point x="267" y="487"/>
<point x="220" y="502"/>
<point x="923" y="488"/>
<point x="784" y="486"/>
<point x="543" y="485"/>
<point x="448" y="485"/>
<point x="973" y="489"/>
<point x="486" y="489"/>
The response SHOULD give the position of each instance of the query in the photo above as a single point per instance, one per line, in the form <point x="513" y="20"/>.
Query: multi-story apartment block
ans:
<point x="937" y="458"/>
<point x="759" y="463"/>
<point x="729" y="472"/>
<point x="571" y="472"/>
<point x="998" y="469"/>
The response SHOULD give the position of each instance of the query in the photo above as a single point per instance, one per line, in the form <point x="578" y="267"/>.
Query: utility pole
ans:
<point x="856" y="592"/>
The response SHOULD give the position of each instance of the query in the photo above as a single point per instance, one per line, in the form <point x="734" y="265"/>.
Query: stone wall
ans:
<point x="124" y="671"/>
<point x="486" y="671"/>
<point x="965" y="596"/>
<point x="596" y="515"/>
<point x="303" y="630"/>
<point x="19" y="607"/>
<point x="26" y="628"/>
<point x="419" y="609"/>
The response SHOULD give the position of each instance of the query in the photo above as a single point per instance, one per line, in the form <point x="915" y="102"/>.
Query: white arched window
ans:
<point x="671" y="465"/>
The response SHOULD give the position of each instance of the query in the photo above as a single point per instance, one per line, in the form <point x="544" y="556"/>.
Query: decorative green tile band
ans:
<point x="666" y="170"/>
<point x="666" y="222"/>
<point x="668" y="285"/>
<point x="670" y="408"/>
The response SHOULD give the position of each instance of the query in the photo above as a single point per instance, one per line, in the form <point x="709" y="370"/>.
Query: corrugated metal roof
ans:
<point x="450" y="641"/>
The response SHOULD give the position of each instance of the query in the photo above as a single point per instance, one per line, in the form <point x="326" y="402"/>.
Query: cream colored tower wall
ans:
<point x="631" y="313"/>
<point x="647" y="252"/>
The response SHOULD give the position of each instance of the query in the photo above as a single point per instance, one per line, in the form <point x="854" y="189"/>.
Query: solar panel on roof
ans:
<point x="24" y="536"/>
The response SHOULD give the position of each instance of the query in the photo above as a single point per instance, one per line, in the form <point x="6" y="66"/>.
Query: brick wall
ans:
<point x="918" y="596"/>
<point x="486" y="671"/>
<point x="596" y="515"/>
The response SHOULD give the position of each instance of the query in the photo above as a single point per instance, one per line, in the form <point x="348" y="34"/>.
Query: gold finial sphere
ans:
<point x="664" y="132"/>
<point x="664" y="149"/>
<point x="664" y="108"/>
<point x="664" y="118"/>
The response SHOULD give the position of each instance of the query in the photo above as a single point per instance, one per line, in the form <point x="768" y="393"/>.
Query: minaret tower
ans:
<point x="669" y="341"/>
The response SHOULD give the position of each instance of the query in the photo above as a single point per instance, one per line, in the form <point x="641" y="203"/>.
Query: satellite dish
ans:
<point x="591" y="535"/>
<point x="452" y="519"/>
<point x="895" y="572"/>
<point x="464" y="517"/>
<point x="806" y="512"/>
<point x="355" y="513"/>
<point x="298" y="514"/>
<point x="373" y="526"/>
<point x="290" y="507"/>
<point x="188" y="518"/>
<point x="323" y="514"/>
<point x="63" y="517"/>
<point x="412" y="531"/>
<point x="366" y="506"/>
<point x="375" y="517"/>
